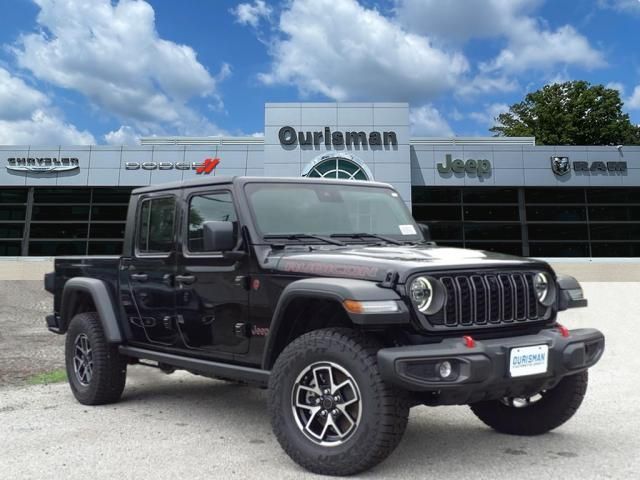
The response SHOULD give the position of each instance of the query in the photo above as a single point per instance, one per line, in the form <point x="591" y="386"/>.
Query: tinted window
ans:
<point x="490" y="195"/>
<point x="13" y="195"/>
<point x="615" y="231"/>
<point x="205" y="208"/>
<point x="558" y="231"/>
<point x="554" y="195"/>
<point x="64" y="212"/>
<point x="52" y="249"/>
<point x="9" y="249"/>
<point x="491" y="213"/>
<point x="613" y="195"/>
<point x="12" y="213"/>
<point x="107" y="230"/>
<point x="558" y="213"/>
<point x="615" y="249"/>
<point x="58" y="230"/>
<point x="558" y="249"/>
<point x="109" y="213"/>
<point x="111" y="195"/>
<point x="423" y="213"/>
<point x="11" y="230"/>
<point x="156" y="225"/>
<point x="445" y="231"/>
<point x="435" y="195"/>
<point x="62" y="195"/>
<point x="624" y="214"/>
<point x="492" y="231"/>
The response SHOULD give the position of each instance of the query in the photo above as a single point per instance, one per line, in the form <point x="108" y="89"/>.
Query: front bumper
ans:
<point x="481" y="372"/>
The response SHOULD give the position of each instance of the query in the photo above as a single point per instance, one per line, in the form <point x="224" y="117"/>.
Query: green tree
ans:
<point x="570" y="113"/>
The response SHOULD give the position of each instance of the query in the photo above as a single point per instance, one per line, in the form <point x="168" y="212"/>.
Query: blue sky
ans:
<point x="100" y="71"/>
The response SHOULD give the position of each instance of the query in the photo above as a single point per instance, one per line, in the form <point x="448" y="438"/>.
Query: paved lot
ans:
<point x="181" y="426"/>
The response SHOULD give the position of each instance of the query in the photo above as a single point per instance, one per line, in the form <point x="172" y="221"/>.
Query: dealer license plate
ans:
<point x="528" y="360"/>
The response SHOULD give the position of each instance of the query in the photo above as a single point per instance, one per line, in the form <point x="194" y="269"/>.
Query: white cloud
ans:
<point x="251" y="14"/>
<point x="112" y="54"/>
<point x="345" y="51"/>
<point x="125" y="135"/>
<point x="26" y="117"/>
<point x="17" y="99"/>
<point x="616" y="86"/>
<point x="625" y="6"/>
<point x="44" y="129"/>
<point x="490" y="114"/>
<point x="461" y="20"/>
<point x="484" y="84"/>
<point x="530" y="44"/>
<point x="532" y="48"/>
<point x="633" y="102"/>
<point x="427" y="121"/>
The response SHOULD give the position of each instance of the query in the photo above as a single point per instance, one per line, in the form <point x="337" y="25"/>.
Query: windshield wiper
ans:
<point x="365" y="235"/>
<point x="299" y="236"/>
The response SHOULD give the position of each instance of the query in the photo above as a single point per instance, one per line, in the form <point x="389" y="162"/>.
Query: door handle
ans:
<point x="139" y="277"/>
<point x="185" y="279"/>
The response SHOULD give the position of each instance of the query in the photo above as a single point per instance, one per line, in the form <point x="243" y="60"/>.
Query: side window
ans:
<point x="156" y="225"/>
<point x="205" y="208"/>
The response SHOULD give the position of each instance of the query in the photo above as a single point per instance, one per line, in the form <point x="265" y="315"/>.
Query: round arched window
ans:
<point x="342" y="166"/>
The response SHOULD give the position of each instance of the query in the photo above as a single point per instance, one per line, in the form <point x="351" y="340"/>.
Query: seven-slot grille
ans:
<point x="486" y="299"/>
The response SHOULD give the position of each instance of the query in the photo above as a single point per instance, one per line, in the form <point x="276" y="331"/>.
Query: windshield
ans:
<point x="329" y="209"/>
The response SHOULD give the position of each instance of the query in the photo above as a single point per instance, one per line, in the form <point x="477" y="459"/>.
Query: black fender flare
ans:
<point x="338" y="289"/>
<point x="98" y="291"/>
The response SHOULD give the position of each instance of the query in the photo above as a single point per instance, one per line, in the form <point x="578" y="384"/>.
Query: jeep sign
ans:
<point x="470" y="167"/>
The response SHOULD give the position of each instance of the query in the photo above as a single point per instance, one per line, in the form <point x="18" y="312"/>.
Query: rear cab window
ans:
<point x="156" y="226"/>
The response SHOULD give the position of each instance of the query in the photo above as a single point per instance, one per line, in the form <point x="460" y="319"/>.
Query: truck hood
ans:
<point x="374" y="262"/>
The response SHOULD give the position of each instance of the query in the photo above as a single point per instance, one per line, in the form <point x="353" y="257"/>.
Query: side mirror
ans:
<point x="218" y="236"/>
<point x="426" y="233"/>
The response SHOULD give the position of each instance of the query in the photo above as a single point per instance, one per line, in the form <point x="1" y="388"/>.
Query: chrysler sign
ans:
<point x="42" y="164"/>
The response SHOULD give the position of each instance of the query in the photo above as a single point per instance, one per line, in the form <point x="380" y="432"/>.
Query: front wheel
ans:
<point x="96" y="371"/>
<point x="538" y="414"/>
<point x="330" y="409"/>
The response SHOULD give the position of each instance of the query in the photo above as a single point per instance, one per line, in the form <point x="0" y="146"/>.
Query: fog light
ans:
<point x="445" y="369"/>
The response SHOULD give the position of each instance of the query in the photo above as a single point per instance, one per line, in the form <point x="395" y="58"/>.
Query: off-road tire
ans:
<point x="384" y="408"/>
<point x="109" y="371"/>
<point x="552" y="410"/>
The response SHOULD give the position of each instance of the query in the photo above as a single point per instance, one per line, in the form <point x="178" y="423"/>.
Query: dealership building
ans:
<point x="499" y="194"/>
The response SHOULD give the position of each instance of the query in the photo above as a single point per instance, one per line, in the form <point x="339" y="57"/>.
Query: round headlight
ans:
<point x="421" y="293"/>
<point x="541" y="286"/>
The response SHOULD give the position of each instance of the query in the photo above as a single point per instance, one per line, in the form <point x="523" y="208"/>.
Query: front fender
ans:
<point x="338" y="289"/>
<point x="99" y="293"/>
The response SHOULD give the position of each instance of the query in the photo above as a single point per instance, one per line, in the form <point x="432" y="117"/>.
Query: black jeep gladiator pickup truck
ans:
<point x="330" y="295"/>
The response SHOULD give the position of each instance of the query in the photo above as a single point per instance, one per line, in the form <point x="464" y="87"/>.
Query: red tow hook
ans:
<point x="469" y="342"/>
<point x="564" y="331"/>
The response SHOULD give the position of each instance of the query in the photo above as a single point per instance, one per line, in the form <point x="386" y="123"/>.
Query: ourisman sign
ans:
<point x="288" y="136"/>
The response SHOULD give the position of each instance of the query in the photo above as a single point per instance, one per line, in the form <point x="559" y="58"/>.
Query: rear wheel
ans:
<point x="537" y="414"/>
<point x="330" y="409"/>
<point x="96" y="371"/>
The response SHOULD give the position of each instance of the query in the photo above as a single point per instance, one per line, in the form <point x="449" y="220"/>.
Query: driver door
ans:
<point x="212" y="298"/>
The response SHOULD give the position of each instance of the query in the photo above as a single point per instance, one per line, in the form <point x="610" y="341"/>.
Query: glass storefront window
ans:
<point x="557" y="213"/>
<point x="62" y="195"/>
<point x="109" y="213"/>
<point x="13" y="195"/>
<point x="59" y="230"/>
<point x="557" y="231"/>
<point x="11" y="230"/>
<point x="424" y="213"/>
<point x="491" y="213"/>
<point x="52" y="248"/>
<point x="10" y="249"/>
<point x="14" y="212"/>
<point x="62" y="213"/>
<point x="111" y="195"/>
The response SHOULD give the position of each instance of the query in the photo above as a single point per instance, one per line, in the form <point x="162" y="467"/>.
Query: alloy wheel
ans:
<point x="83" y="359"/>
<point x="326" y="403"/>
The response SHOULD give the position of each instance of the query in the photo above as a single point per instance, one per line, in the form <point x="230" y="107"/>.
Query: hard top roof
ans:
<point x="221" y="180"/>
